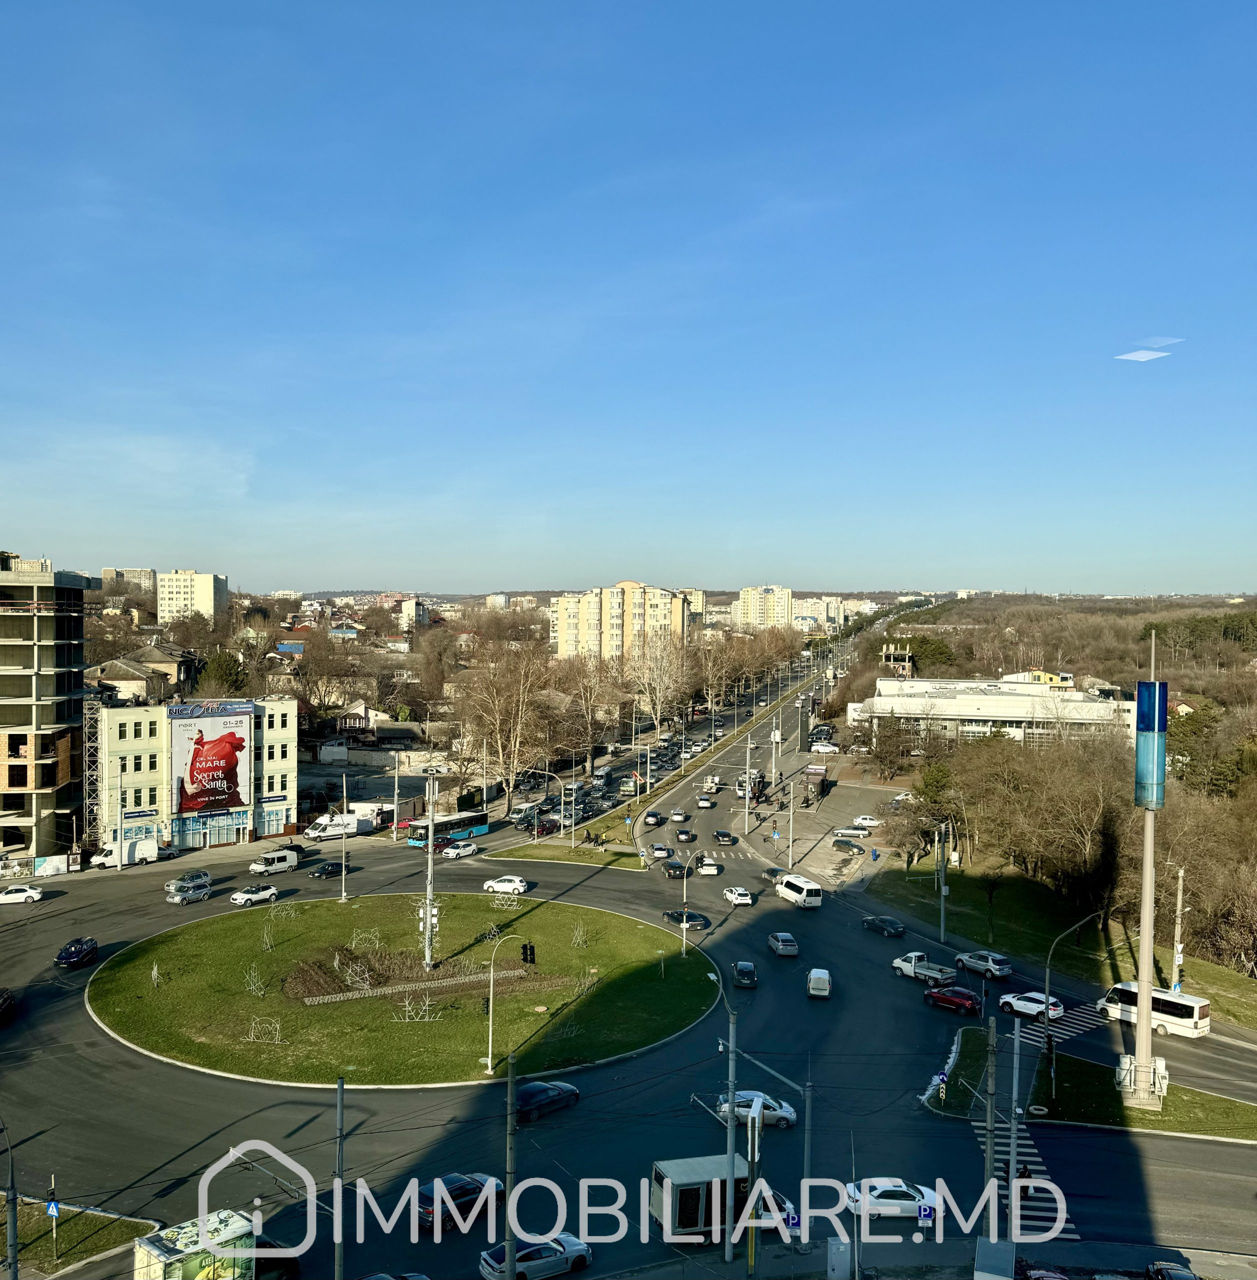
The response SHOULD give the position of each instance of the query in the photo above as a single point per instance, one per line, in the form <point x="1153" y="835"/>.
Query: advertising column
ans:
<point x="211" y="769"/>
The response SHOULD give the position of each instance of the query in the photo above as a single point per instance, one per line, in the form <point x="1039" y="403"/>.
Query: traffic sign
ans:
<point x="53" y="1209"/>
<point x="925" y="1213"/>
<point x="776" y="834"/>
<point x="1177" y="987"/>
<point x="792" y="1221"/>
<point x="942" y="1077"/>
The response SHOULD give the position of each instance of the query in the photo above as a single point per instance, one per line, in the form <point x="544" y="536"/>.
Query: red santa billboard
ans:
<point x="211" y="756"/>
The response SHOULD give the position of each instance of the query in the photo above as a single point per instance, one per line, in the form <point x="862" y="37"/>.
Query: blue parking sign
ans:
<point x="925" y="1213"/>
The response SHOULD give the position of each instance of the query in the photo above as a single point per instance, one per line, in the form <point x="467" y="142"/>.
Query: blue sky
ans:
<point x="464" y="296"/>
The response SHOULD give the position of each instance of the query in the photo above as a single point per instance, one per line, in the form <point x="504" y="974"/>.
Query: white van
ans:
<point x="819" y="984"/>
<point x="665" y="739"/>
<point x="269" y="864"/>
<point x="800" y="891"/>
<point x="602" y="771"/>
<point x="332" y="825"/>
<point x="521" y="811"/>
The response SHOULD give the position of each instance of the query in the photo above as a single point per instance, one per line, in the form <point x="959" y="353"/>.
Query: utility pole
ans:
<point x="397" y="768"/>
<point x="754" y="1128"/>
<point x="10" y="1196"/>
<point x="344" y="820"/>
<point x="1012" y="1118"/>
<point x="940" y="855"/>
<point x="430" y="794"/>
<point x="790" y="846"/>
<point x="990" y="1122"/>
<point x="1177" y="983"/>
<point x="509" y="1185"/>
<point x="339" y="1259"/>
<point x="746" y="789"/>
<point x="731" y="1128"/>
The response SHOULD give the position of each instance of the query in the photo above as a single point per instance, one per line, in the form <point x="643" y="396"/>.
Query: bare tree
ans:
<point x="658" y="673"/>
<point x="593" y="689"/>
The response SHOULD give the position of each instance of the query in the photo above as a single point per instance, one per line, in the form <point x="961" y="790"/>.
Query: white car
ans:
<point x="252" y="894"/>
<point x="506" y="884"/>
<point x="904" y="797"/>
<point x="736" y="896"/>
<point x="823" y="748"/>
<point x="780" y="1114"/>
<point x="21" y="893"/>
<point x="866" y="820"/>
<point x="658" y="850"/>
<point x="679" y="815"/>
<point x="706" y="802"/>
<point x="889" y="1197"/>
<point x="550" y="1258"/>
<point x="1031" y="1004"/>
<point x="460" y="849"/>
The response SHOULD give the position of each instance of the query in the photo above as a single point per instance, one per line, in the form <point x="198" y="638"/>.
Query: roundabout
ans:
<point x="302" y="993"/>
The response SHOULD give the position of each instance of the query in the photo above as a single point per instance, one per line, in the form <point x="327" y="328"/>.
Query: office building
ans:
<point x="41" y="714"/>
<point x="760" y="607"/>
<point x="616" y="622"/>
<point x="142" y="579"/>
<point x="183" y="592"/>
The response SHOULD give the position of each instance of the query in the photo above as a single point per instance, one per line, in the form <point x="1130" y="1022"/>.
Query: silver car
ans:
<point x="184" y="894"/>
<point x="990" y="964"/>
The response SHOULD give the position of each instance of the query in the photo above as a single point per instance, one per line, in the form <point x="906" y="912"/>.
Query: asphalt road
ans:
<point x="130" y="1134"/>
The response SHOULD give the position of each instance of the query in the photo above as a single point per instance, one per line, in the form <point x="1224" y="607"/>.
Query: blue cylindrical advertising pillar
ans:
<point x="1150" y="721"/>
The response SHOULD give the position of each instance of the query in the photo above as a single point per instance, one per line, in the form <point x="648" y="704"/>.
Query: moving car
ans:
<point x="197" y="876"/>
<point x="198" y="892"/>
<point x="852" y="833"/>
<point x="679" y="815"/>
<point x="990" y="964"/>
<point x="658" y="850"/>
<point x="819" y="983"/>
<point x="889" y="1197"/>
<point x="8" y="1005"/>
<point x="706" y="802"/>
<point x="687" y="919"/>
<point x="553" y="1257"/>
<point x="686" y="836"/>
<point x="652" y="819"/>
<point x="778" y="1113"/>
<point x="506" y="884"/>
<point x="737" y="896"/>
<point x="460" y="1189"/>
<point x="707" y="865"/>
<point x="773" y="874"/>
<point x="674" y="869"/>
<point x="744" y="974"/>
<point x="20" y="893"/>
<point x="783" y="944"/>
<point x="1031" y="1004"/>
<point x="1169" y="1271"/>
<point x="251" y="894"/>
<point x="724" y="837"/>
<point x="887" y="926"/>
<point x="539" y="1097"/>
<point x="77" y="952"/>
<point x="461" y="849"/>
<point x="325" y="870"/>
<point x="958" y="999"/>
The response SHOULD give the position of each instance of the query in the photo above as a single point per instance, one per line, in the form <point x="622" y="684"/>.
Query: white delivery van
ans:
<point x="331" y="826"/>
<point x="602" y="771"/>
<point x="819" y="984"/>
<point x="800" y="891"/>
<point x="269" y="864"/>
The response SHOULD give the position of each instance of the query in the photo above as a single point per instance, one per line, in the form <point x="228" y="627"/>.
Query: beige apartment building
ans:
<point x="183" y="592"/>
<point x="616" y="622"/>
<point x="759" y="607"/>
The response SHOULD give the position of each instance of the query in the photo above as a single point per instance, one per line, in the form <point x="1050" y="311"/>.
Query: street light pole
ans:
<point x="790" y="847"/>
<point x="1177" y="971"/>
<point x="685" y="900"/>
<point x="10" y="1195"/>
<point x="430" y="794"/>
<point x="746" y="789"/>
<point x="488" y="1070"/>
<point x="344" y="820"/>
<point x="1047" y="994"/>
<point x="338" y="1258"/>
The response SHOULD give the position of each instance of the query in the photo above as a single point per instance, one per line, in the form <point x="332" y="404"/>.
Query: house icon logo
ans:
<point x="253" y="1250"/>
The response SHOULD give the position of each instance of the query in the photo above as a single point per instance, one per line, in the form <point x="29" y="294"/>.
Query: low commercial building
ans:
<point x="1025" y="710"/>
<point x="191" y="773"/>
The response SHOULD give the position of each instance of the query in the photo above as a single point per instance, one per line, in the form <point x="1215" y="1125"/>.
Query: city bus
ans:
<point x="453" y="826"/>
<point x="1173" y="1013"/>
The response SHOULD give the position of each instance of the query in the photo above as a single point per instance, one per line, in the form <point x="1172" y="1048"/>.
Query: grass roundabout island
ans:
<point x="305" y="992"/>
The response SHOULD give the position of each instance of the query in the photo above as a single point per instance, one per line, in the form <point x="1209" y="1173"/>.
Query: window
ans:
<point x="270" y="751"/>
<point x="283" y="783"/>
<point x="152" y="797"/>
<point x="152" y="762"/>
<point x="137" y="798"/>
<point x="152" y="728"/>
<point x="283" y="719"/>
<point x="122" y="732"/>
<point x="270" y="720"/>
<point x="137" y="764"/>
<point x="122" y="764"/>
<point x="270" y="784"/>
<point x="257" y="722"/>
<point x="257" y="751"/>
<point x="283" y="751"/>
<point x="138" y="729"/>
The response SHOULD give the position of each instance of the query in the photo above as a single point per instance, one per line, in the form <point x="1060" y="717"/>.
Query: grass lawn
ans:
<point x="604" y="984"/>
<point x="1085" y="1092"/>
<point x="80" y="1235"/>
<point x="969" y="1068"/>
<point x="585" y="854"/>
<point x="1026" y="917"/>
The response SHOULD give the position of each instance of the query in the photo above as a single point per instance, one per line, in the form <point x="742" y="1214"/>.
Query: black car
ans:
<point x="537" y="1097"/>
<point x="325" y="870"/>
<point x="687" y="919"/>
<point x="460" y="1191"/>
<point x="744" y="974"/>
<point x="652" y="819"/>
<point x="848" y="846"/>
<point x="724" y="837"/>
<point x="76" y="953"/>
<point x="1169" y="1271"/>
<point x="291" y="847"/>
<point x="719" y="722"/>
<point x="772" y="874"/>
<point x="674" y="869"/>
<point x="888" y="926"/>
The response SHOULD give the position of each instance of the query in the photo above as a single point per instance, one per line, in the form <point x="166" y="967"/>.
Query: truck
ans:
<point x="697" y="1194"/>
<point x="331" y="826"/>
<point x="916" y="964"/>
<point x="132" y="853"/>
<point x="711" y="783"/>
<point x="378" y="812"/>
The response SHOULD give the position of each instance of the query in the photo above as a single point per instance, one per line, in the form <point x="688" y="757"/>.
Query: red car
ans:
<point x="958" y="999"/>
<point x="546" y="826"/>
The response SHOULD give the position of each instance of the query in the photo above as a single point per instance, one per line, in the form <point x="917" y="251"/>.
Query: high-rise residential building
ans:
<point x="144" y="579"/>
<point x="823" y="613"/>
<point x="41" y="712"/>
<point x="183" y="592"/>
<point x="616" y="622"/>
<point x="759" y="607"/>
<point x="412" y="613"/>
<point x="498" y="600"/>
<point x="697" y="598"/>
<point x="523" y="602"/>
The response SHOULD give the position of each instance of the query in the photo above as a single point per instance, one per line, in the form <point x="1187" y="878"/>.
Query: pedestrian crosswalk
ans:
<point x="1038" y="1209"/>
<point x="1073" y="1022"/>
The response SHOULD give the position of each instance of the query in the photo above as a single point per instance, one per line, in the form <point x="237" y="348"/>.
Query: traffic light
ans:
<point x="528" y="953"/>
<point x="484" y="1005"/>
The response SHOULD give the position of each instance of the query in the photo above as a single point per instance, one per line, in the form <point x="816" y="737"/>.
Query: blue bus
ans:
<point x="451" y="826"/>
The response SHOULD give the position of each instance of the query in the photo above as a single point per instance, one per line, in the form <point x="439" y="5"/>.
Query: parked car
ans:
<point x="461" y="849"/>
<point x="536" y="1098"/>
<point x="8" y="1005"/>
<point x="823" y="747"/>
<point x="736" y="896"/>
<point x="724" y="837"/>
<point x="652" y="819"/>
<point x="958" y="999"/>
<point x="776" y="1112"/>
<point x="325" y="870"/>
<point x="20" y="893"/>
<point x="1032" y="1004"/>
<point x="251" y="894"/>
<point x="76" y="953"/>
<point x="890" y="1197"/>
<point x="847" y="846"/>
<point x="851" y="833"/>
<point x="554" y="1257"/>
<point x="990" y="964"/>
<point x="866" y="820"/>
<point x="687" y="919"/>
<point x="506" y="884"/>
<point x="546" y="826"/>
<point x="1169" y="1271"/>
<point x="461" y="1190"/>
<point x="744" y="974"/>
<point x="783" y="944"/>
<point x="887" y="926"/>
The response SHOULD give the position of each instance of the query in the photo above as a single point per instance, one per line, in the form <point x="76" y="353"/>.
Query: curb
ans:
<point x="444" y="1084"/>
<point x="1156" y="1133"/>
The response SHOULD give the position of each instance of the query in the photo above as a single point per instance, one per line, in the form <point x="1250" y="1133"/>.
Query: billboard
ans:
<point x="211" y="756"/>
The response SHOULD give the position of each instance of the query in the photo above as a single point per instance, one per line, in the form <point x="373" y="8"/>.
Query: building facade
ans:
<point x="498" y="600"/>
<point x="144" y="579"/>
<point x="760" y="607"/>
<point x="192" y="774"/>
<point x="413" y="614"/>
<point x="41" y="713"/>
<point x="183" y="592"/>
<point x="616" y="622"/>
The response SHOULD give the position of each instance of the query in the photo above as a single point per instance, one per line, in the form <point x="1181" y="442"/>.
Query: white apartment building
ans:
<point x="413" y="614"/>
<point x="192" y="774"/>
<point x="819" y="613"/>
<point x="759" y="607"/>
<point x="497" y="600"/>
<point x="616" y="622"/>
<point x="144" y="579"/>
<point x="183" y="592"/>
<point x="1025" y="708"/>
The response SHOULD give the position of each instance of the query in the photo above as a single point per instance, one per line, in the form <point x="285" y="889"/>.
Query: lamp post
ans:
<point x="10" y="1201"/>
<point x="685" y="900"/>
<point x="488" y="1069"/>
<point x="731" y="1120"/>
<point x="1047" y="997"/>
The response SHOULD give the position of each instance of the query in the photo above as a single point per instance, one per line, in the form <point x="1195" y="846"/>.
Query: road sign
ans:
<point x="628" y="822"/>
<point x="1177" y="987"/>
<point x="942" y="1077"/>
<point x="792" y="1221"/>
<point x="925" y="1213"/>
<point x="776" y="834"/>
<point x="53" y="1209"/>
